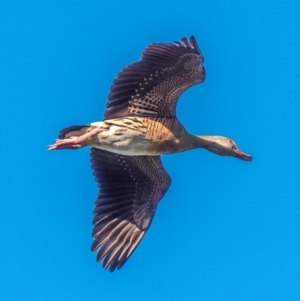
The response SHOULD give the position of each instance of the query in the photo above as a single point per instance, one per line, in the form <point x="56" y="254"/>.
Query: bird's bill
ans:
<point x="240" y="155"/>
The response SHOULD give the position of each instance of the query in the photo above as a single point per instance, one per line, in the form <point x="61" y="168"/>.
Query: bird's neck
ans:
<point x="206" y="142"/>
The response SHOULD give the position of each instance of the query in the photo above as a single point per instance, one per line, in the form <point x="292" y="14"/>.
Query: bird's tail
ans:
<point x="73" y="137"/>
<point x="73" y="131"/>
<point x="77" y="136"/>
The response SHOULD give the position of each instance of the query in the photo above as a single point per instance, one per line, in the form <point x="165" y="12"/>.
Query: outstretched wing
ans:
<point x="152" y="86"/>
<point x="130" y="189"/>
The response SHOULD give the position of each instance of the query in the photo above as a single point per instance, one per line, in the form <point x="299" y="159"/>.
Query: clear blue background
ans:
<point x="226" y="229"/>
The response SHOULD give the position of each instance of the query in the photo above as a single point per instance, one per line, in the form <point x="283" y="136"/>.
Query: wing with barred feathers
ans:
<point x="130" y="189"/>
<point x="152" y="86"/>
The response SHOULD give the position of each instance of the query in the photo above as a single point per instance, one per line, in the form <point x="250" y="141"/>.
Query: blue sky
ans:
<point x="226" y="229"/>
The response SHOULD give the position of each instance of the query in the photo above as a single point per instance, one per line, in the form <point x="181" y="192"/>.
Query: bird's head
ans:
<point x="224" y="146"/>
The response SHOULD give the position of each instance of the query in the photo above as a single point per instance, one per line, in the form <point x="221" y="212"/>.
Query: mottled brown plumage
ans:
<point x="139" y="125"/>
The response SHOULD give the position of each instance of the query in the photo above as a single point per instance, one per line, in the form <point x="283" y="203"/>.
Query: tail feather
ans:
<point x="74" y="130"/>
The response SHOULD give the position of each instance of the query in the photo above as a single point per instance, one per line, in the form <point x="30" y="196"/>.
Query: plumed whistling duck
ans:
<point x="139" y="125"/>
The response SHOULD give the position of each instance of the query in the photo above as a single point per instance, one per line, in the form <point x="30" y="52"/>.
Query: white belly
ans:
<point x="124" y="141"/>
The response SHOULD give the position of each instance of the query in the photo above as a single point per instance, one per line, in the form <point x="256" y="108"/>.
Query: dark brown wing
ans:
<point x="130" y="189"/>
<point x="151" y="86"/>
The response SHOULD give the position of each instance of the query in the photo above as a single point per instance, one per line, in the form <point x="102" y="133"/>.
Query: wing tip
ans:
<point x="115" y="251"/>
<point x="191" y="43"/>
<point x="195" y="45"/>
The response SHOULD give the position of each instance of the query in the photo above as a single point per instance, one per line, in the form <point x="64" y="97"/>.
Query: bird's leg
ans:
<point x="75" y="142"/>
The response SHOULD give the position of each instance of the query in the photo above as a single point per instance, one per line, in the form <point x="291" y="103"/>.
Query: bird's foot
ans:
<point x="75" y="142"/>
<point x="71" y="143"/>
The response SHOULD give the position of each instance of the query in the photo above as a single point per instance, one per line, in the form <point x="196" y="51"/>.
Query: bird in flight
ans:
<point x="139" y="125"/>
